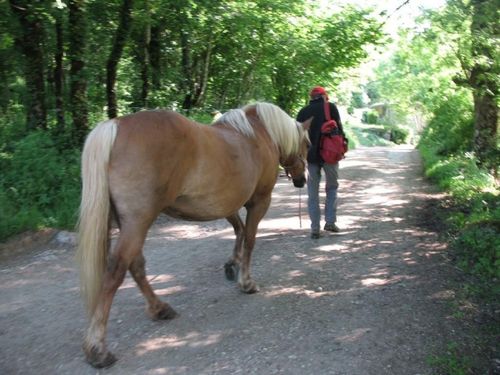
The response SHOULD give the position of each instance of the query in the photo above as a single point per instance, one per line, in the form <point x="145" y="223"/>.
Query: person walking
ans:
<point x="316" y="109"/>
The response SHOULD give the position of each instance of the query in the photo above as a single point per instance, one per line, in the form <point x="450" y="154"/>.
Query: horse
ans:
<point x="140" y="165"/>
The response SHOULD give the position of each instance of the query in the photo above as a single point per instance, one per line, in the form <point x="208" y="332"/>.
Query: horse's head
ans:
<point x="295" y="164"/>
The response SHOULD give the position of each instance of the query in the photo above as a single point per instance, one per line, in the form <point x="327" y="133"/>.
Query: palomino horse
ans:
<point x="137" y="166"/>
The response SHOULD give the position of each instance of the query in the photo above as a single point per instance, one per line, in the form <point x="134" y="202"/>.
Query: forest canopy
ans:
<point x="69" y="62"/>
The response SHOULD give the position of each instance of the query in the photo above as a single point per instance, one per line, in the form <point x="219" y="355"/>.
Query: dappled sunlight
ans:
<point x="160" y="278"/>
<point x="447" y="294"/>
<point x="276" y="258"/>
<point x="341" y="248"/>
<point x="192" y="340"/>
<point x="295" y="273"/>
<point x="183" y="230"/>
<point x="282" y="223"/>
<point x="322" y="258"/>
<point x="18" y="283"/>
<point x="167" y="370"/>
<point x="383" y="201"/>
<point x="410" y="261"/>
<point x="374" y="282"/>
<point x="355" y="335"/>
<point x="170" y="291"/>
<point x="280" y="291"/>
<point x="152" y="279"/>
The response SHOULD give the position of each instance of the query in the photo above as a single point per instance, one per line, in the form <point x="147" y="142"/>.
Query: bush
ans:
<point x="370" y="117"/>
<point x="357" y="100"/>
<point x="459" y="175"/>
<point x="474" y="216"/>
<point x="478" y="248"/>
<point x="40" y="186"/>
<point x="399" y="135"/>
<point x="451" y="128"/>
<point x="475" y="212"/>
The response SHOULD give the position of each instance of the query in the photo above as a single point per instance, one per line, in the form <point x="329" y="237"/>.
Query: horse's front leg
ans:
<point x="255" y="212"/>
<point x="232" y="266"/>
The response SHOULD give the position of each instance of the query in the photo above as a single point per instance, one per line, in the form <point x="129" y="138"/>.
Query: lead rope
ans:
<point x="300" y="208"/>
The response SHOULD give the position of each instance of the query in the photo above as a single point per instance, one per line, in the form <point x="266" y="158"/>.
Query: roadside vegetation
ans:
<point x="442" y="85"/>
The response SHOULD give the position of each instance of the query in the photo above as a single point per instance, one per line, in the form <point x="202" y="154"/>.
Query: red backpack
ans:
<point x="332" y="146"/>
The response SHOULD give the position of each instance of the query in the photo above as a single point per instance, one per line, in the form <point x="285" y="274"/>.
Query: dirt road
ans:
<point x="373" y="299"/>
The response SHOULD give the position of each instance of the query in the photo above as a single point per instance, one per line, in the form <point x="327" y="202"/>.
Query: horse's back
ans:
<point x="162" y="161"/>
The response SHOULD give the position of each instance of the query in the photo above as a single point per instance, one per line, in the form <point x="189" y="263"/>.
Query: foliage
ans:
<point x="478" y="248"/>
<point x="441" y="83"/>
<point x="451" y="127"/>
<point x="475" y="216"/>
<point x="365" y="135"/>
<point x="430" y="84"/>
<point x="370" y="117"/>
<point x="40" y="185"/>
<point x="357" y="100"/>
<point x="399" y="134"/>
<point x="452" y="362"/>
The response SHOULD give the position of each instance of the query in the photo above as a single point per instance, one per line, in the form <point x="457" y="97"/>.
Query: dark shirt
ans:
<point x="316" y="109"/>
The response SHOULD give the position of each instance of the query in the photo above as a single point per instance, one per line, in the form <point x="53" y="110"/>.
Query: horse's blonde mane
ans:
<point x="283" y="130"/>
<point x="237" y="119"/>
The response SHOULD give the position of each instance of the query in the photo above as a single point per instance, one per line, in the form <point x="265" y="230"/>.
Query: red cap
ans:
<point x="317" y="91"/>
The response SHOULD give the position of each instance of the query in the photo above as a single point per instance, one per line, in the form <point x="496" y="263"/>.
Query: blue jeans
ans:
<point x="331" y="174"/>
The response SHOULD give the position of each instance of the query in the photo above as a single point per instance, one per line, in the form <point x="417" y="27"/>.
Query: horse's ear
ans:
<point x="307" y="124"/>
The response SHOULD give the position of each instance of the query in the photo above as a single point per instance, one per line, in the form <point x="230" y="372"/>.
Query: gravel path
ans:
<point x="373" y="299"/>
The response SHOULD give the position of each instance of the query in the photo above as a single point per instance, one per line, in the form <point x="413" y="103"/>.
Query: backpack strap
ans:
<point x="327" y="110"/>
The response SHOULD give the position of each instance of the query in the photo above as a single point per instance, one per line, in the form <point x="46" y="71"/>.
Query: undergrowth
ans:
<point x="39" y="185"/>
<point x="452" y="362"/>
<point x="472" y="219"/>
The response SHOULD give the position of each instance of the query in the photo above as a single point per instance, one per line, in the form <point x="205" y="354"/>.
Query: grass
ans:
<point x="365" y="134"/>
<point x="472" y="219"/>
<point x="452" y="362"/>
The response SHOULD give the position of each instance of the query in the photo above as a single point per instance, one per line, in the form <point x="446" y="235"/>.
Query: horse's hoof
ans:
<point x="249" y="287"/>
<point x="100" y="359"/>
<point x="162" y="312"/>
<point x="231" y="271"/>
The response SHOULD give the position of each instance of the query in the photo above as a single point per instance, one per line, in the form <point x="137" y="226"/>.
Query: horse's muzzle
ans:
<point x="299" y="182"/>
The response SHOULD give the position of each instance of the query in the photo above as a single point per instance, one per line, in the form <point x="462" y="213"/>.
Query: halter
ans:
<point x="287" y="167"/>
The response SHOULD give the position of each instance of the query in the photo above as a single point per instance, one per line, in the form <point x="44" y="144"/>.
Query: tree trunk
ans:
<point x="111" y="67"/>
<point x="145" y="77"/>
<point x="146" y="40"/>
<point x="203" y="76"/>
<point x="154" y="53"/>
<point x="78" y="85"/>
<point x="486" y="126"/>
<point x="58" y="72"/>
<point x="187" y="81"/>
<point x="32" y="49"/>
<point x="483" y="81"/>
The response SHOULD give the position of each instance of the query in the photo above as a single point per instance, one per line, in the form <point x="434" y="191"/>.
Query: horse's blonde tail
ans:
<point x="93" y="223"/>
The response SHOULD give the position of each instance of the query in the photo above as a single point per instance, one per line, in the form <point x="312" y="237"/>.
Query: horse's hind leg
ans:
<point x="127" y="248"/>
<point x="232" y="266"/>
<point x="156" y="308"/>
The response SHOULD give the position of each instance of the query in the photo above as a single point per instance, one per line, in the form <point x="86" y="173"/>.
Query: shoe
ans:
<point x="332" y="228"/>
<point x="314" y="235"/>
